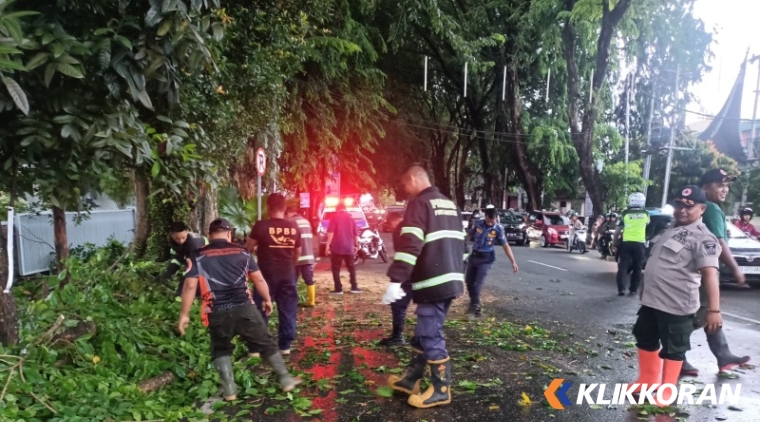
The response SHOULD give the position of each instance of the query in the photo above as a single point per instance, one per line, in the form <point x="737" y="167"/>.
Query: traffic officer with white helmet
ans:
<point x="633" y="224"/>
<point x="683" y="258"/>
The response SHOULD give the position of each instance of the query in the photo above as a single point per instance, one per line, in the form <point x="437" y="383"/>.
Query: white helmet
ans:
<point x="637" y="200"/>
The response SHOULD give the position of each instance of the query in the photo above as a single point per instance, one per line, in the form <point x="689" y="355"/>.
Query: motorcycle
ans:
<point x="577" y="239"/>
<point x="606" y="246"/>
<point x="371" y="246"/>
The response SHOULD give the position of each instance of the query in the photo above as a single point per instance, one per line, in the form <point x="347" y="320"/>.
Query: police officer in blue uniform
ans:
<point x="485" y="234"/>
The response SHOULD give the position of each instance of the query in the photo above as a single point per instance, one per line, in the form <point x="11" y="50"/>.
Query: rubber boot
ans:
<point x="719" y="348"/>
<point x="287" y="381"/>
<point x="671" y="370"/>
<point x="311" y="297"/>
<point x="687" y="370"/>
<point x="409" y="381"/>
<point x="396" y="338"/>
<point x="223" y="366"/>
<point x="650" y="369"/>
<point x="439" y="391"/>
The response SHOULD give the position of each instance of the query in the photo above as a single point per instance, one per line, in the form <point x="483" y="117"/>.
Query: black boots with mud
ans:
<point x="409" y="381"/>
<point x="439" y="392"/>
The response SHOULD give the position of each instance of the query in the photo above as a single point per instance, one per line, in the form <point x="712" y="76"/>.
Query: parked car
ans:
<point x="515" y="227"/>
<point x="383" y="223"/>
<point x="324" y="222"/>
<point x="746" y="252"/>
<point x="548" y="228"/>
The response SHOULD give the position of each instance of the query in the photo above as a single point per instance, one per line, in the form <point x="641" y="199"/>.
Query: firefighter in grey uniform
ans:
<point x="305" y="265"/>
<point x="429" y="256"/>
<point x="684" y="257"/>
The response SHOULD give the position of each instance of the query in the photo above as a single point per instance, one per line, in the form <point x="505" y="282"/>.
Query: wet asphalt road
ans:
<point x="577" y="295"/>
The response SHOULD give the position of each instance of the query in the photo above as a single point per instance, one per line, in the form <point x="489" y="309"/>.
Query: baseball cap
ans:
<point x="691" y="195"/>
<point x="218" y="225"/>
<point x="716" y="176"/>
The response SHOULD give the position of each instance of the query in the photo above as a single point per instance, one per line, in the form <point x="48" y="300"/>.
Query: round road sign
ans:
<point x="261" y="161"/>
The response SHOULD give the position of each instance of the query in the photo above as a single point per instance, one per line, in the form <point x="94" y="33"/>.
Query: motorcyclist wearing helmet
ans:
<point x="633" y="225"/>
<point x="744" y="222"/>
<point x="575" y="224"/>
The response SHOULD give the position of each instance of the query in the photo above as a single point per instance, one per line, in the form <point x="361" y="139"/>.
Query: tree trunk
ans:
<point x="61" y="241"/>
<point x="142" y="222"/>
<point x="210" y="208"/>
<point x="582" y="124"/>
<point x="527" y="172"/>
<point x="460" y="175"/>
<point x="8" y="319"/>
<point x="153" y="384"/>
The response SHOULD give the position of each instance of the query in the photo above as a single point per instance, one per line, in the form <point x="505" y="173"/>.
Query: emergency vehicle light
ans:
<point x="348" y="201"/>
<point x="331" y="201"/>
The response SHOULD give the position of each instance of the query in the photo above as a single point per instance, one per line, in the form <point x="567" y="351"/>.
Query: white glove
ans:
<point x="393" y="293"/>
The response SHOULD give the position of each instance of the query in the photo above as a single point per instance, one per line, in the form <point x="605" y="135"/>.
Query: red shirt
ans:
<point x="747" y="228"/>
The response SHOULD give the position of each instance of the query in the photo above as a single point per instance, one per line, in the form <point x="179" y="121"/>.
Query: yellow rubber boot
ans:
<point x="409" y="381"/>
<point x="311" y="297"/>
<point x="671" y="370"/>
<point x="439" y="392"/>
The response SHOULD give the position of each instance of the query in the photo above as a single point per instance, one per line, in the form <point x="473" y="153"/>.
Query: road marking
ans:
<point x="754" y="321"/>
<point x="547" y="265"/>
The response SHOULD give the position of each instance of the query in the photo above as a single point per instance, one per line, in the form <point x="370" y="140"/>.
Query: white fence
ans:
<point x="35" y="249"/>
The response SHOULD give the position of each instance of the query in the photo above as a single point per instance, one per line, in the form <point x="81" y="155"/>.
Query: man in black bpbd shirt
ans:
<point x="222" y="269"/>
<point x="277" y="244"/>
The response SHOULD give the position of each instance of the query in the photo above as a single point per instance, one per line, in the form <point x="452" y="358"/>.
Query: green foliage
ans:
<point x="241" y="213"/>
<point x="162" y="211"/>
<point x="687" y="169"/>
<point x="134" y="341"/>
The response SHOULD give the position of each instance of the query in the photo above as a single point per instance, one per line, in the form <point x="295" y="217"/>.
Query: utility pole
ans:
<point x="669" y="162"/>
<point x="648" y="161"/>
<point x="627" y="126"/>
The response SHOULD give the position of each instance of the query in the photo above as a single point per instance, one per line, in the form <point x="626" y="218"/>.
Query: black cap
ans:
<point x="691" y="195"/>
<point x="218" y="225"/>
<point x="717" y="176"/>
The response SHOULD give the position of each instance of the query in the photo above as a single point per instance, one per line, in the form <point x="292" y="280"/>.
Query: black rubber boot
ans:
<point x="409" y="381"/>
<point x="287" y="381"/>
<point x="477" y="312"/>
<point x="223" y="366"/>
<point x="396" y="338"/>
<point x="719" y="348"/>
<point x="439" y="391"/>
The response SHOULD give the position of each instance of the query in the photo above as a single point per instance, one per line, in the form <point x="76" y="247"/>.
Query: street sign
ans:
<point x="261" y="161"/>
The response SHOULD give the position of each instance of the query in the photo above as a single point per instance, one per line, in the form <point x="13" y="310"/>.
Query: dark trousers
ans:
<point x="631" y="256"/>
<point x="283" y="291"/>
<point x="399" y="307"/>
<point x="478" y="265"/>
<point x="428" y="335"/>
<point x="654" y="328"/>
<point x="307" y="272"/>
<point x="337" y="261"/>
<point x="244" y="321"/>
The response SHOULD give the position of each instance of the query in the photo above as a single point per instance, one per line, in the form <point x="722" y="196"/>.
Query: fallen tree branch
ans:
<point x="153" y="384"/>
<point x="113" y="266"/>
<point x="18" y="366"/>
<point x="50" y="408"/>
<point x="73" y="333"/>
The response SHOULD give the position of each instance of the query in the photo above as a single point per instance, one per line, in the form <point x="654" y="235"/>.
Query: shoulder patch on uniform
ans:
<point x="478" y="230"/>
<point x="710" y="247"/>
